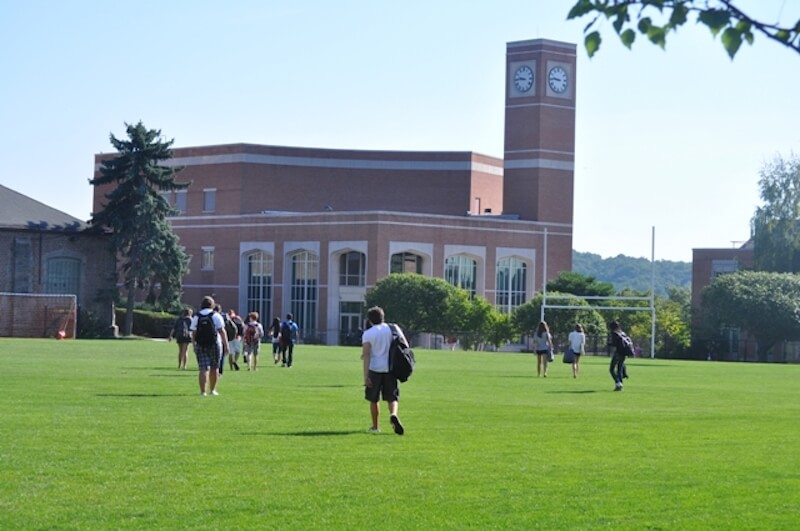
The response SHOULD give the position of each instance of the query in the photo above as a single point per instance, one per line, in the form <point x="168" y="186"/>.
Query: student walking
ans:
<point x="379" y="382"/>
<point x="577" y="343"/>
<point x="290" y="333"/>
<point x="275" y="334"/>
<point x="181" y="332"/>
<point x="543" y="346"/>
<point x="621" y="346"/>
<point x="253" y="332"/>
<point x="210" y="343"/>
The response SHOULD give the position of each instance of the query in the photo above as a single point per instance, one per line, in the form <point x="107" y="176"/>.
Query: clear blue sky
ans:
<point x="673" y="139"/>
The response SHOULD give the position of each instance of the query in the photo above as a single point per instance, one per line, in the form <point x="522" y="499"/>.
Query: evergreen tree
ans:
<point x="136" y="215"/>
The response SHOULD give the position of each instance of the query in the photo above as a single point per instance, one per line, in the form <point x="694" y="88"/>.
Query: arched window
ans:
<point x="63" y="276"/>
<point x="512" y="279"/>
<point x="352" y="269"/>
<point x="305" y="289"/>
<point x="259" y="285"/>
<point x="406" y="263"/>
<point x="462" y="271"/>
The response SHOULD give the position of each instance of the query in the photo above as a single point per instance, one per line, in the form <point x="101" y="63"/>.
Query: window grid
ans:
<point x="462" y="272"/>
<point x="259" y="285"/>
<point x="512" y="278"/>
<point x="304" y="289"/>
<point x="406" y="263"/>
<point x="352" y="269"/>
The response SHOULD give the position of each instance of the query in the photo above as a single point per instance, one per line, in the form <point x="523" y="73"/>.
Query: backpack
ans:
<point x="251" y="335"/>
<point x="230" y="327"/>
<point x="401" y="357"/>
<point x="627" y="345"/>
<point x="286" y="332"/>
<point x="205" y="333"/>
<point x="239" y="326"/>
<point x="180" y="331"/>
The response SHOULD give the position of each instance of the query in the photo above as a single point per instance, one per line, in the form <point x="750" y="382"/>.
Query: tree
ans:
<point x="673" y="323"/>
<point x="581" y="285"/>
<point x="774" y="227"/>
<point x="763" y="303"/>
<point x="136" y="215"/>
<point x="419" y="303"/>
<point x="720" y="16"/>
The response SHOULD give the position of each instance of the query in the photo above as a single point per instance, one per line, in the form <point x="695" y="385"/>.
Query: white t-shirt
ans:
<point x="577" y="340"/>
<point x="379" y="337"/>
<point x="218" y="323"/>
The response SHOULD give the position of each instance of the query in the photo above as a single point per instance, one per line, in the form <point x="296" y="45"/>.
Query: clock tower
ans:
<point x="539" y="158"/>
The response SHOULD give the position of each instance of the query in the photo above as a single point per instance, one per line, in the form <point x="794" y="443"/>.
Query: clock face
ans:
<point x="557" y="79"/>
<point x="523" y="78"/>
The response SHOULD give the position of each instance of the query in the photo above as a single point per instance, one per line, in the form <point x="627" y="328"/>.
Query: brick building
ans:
<point x="309" y="231"/>
<point x="46" y="251"/>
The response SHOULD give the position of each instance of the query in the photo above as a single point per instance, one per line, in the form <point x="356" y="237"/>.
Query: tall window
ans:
<point x="259" y="285"/>
<point x="351" y="315"/>
<point x="208" y="259"/>
<point x="304" y="289"/>
<point x="63" y="275"/>
<point x="512" y="278"/>
<point x="209" y="200"/>
<point x="352" y="269"/>
<point x="180" y="200"/>
<point x="406" y="263"/>
<point x="462" y="271"/>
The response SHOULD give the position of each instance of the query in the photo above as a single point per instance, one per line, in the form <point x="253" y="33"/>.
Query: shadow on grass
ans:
<point x="140" y="395"/>
<point x="330" y="386"/>
<point x="328" y="433"/>
<point x="577" y="392"/>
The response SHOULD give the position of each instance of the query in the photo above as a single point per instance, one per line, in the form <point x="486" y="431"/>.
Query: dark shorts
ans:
<point x="207" y="356"/>
<point x="383" y="384"/>
<point x="540" y="352"/>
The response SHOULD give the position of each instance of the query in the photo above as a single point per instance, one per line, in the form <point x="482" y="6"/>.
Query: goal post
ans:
<point x="38" y="315"/>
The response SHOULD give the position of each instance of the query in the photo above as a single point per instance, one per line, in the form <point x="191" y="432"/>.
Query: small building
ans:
<point x="48" y="252"/>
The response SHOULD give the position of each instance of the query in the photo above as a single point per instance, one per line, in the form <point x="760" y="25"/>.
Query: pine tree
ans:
<point x="136" y="212"/>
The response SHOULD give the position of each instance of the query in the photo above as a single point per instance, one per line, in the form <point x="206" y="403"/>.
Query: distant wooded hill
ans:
<point x="634" y="273"/>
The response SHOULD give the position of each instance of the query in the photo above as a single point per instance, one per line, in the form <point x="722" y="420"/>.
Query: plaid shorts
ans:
<point x="207" y="356"/>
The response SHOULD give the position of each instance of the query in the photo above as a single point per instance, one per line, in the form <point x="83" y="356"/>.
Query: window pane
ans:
<point x="63" y="275"/>
<point x="352" y="267"/>
<point x="406" y="263"/>
<point x="180" y="201"/>
<point x="209" y="200"/>
<point x="512" y="276"/>
<point x="462" y="272"/>
<point x="304" y="290"/>
<point x="259" y="285"/>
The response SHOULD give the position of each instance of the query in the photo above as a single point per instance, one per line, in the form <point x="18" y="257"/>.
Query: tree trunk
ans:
<point x="129" y="308"/>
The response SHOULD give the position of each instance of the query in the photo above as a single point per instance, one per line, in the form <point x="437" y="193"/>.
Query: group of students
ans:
<point x="617" y="341"/>
<point x="217" y="335"/>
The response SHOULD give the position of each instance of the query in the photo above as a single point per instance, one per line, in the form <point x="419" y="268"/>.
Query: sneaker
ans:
<point x="214" y="392"/>
<point x="202" y="393"/>
<point x="374" y="430"/>
<point x="618" y="387"/>
<point x="398" y="428"/>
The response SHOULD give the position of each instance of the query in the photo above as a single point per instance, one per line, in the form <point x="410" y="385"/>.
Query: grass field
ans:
<point x="109" y="435"/>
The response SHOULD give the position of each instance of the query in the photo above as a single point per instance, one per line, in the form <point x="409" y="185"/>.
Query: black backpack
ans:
<point x="206" y="334"/>
<point x="239" y="326"/>
<point x="401" y="357"/>
<point x="230" y="327"/>
<point x="286" y="332"/>
<point x="181" y="329"/>
<point x="627" y="345"/>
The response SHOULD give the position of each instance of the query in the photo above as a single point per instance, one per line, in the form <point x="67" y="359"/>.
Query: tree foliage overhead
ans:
<point x="765" y="304"/>
<point x="722" y="17"/>
<point x="579" y="284"/>
<point x="136" y="212"/>
<point x="774" y="226"/>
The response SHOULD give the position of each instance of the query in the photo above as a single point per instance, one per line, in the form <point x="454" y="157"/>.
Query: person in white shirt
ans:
<point x="577" y="342"/>
<point x="378" y="380"/>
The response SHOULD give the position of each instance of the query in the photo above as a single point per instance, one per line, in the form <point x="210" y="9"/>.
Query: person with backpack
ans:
<point x="621" y="347"/>
<point x="210" y="343"/>
<point x="253" y="332"/>
<point x="275" y="332"/>
<point x="183" y="336"/>
<point x="288" y="337"/>
<point x="230" y="330"/>
<point x="379" y="381"/>
<point x="236" y="343"/>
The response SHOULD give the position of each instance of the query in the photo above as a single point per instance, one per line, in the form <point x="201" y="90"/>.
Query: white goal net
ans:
<point x="36" y="315"/>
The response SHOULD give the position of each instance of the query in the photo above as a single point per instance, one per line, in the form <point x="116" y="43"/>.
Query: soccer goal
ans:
<point x="38" y="315"/>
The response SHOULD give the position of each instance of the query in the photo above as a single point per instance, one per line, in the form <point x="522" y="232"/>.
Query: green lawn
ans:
<point x="109" y="435"/>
